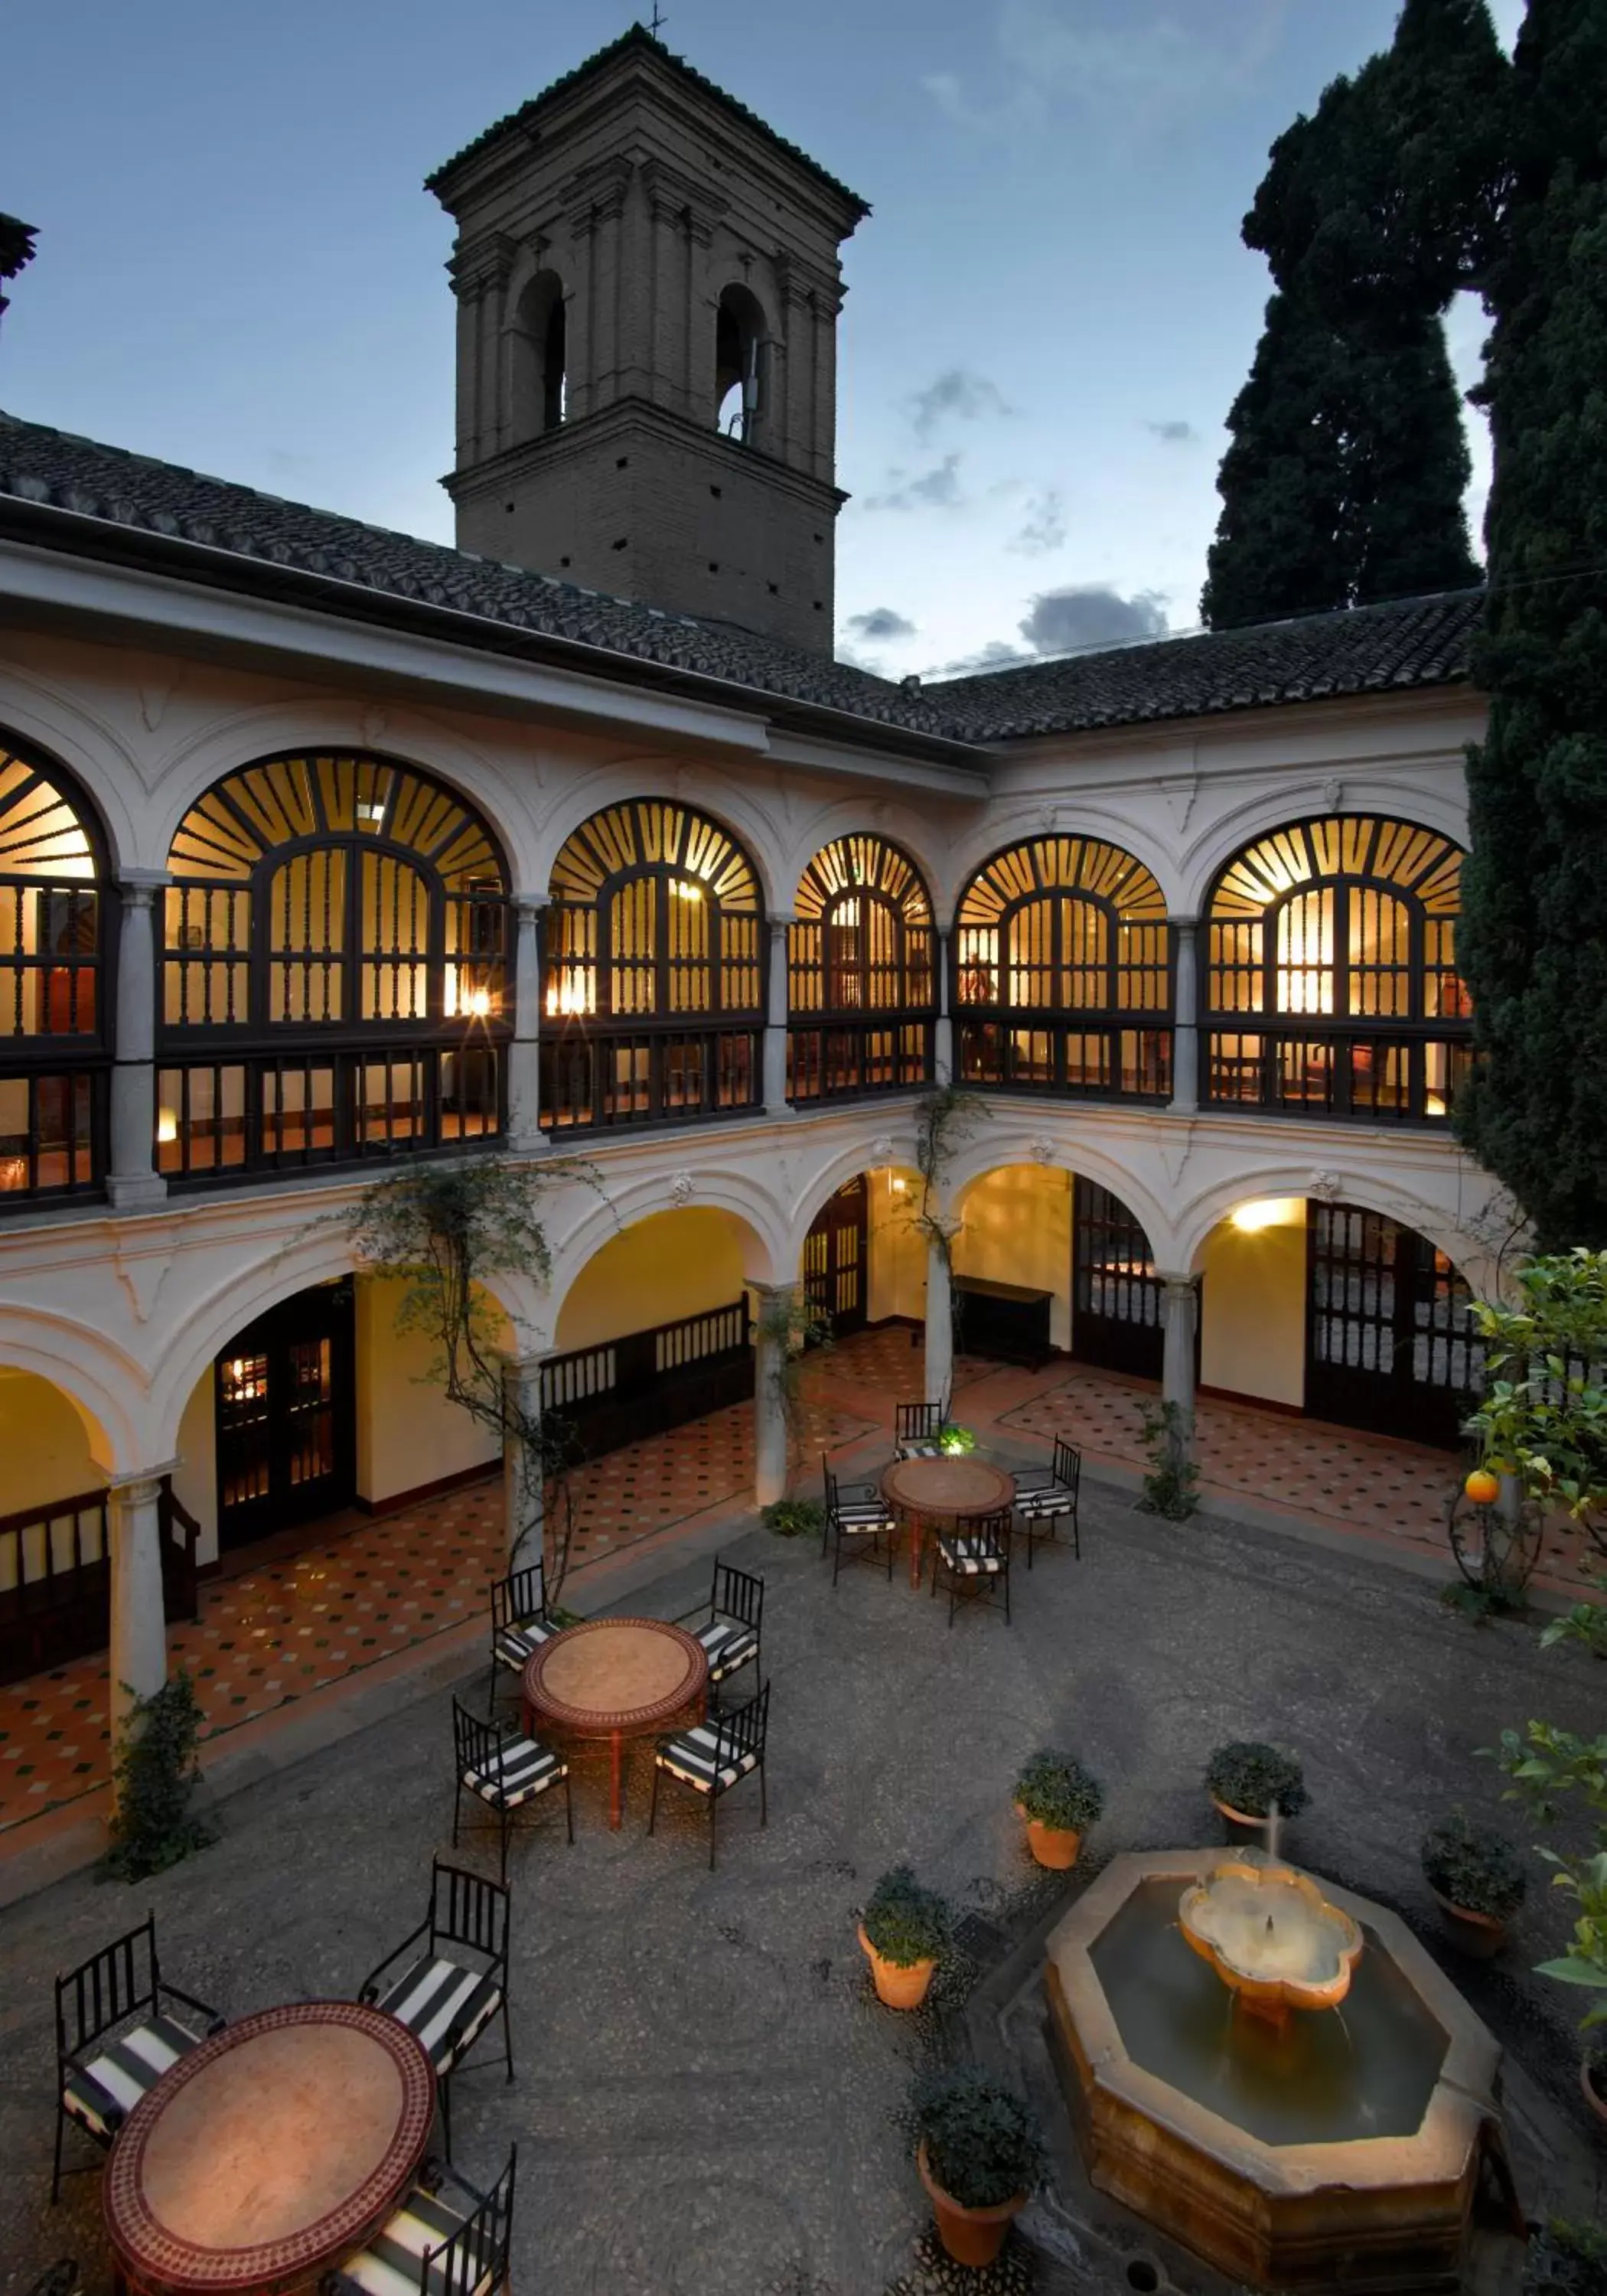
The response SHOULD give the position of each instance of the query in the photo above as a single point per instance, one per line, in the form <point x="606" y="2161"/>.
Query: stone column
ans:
<point x="770" y="1367"/>
<point x="139" y="1626"/>
<point x="133" y="1180"/>
<point x="943" y="1028"/>
<point x="775" y="1022"/>
<point x="939" y="1327"/>
<point x="524" y="1493"/>
<point x="525" y="1136"/>
<point x="1179" y="1305"/>
<point x="1185" y="1032"/>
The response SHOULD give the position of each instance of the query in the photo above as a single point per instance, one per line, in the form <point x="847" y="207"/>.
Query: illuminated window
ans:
<point x="861" y="989"/>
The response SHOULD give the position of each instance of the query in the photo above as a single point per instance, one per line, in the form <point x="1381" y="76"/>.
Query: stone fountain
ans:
<point x="1274" y="2074"/>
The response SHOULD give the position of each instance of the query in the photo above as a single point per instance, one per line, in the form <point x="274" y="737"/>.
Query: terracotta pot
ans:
<point x="898" y="1985"/>
<point x="1480" y="1936"/>
<point x="1054" y="1845"/>
<point x="1240" y="1826"/>
<point x="969" y="2235"/>
<point x="1594" y="2097"/>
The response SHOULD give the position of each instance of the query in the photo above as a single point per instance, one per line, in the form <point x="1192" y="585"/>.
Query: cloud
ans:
<point x="958" y="393"/>
<point x="1092" y="614"/>
<point x="1045" y="528"/>
<point x="881" y="622"/>
<point x="938" y="488"/>
<point x="1176" y="432"/>
<point x="994" y="655"/>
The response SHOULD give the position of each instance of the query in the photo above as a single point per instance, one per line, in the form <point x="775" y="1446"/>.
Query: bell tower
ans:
<point x="648" y="287"/>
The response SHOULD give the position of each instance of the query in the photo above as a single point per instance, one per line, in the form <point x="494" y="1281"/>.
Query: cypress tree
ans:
<point x="1535" y="893"/>
<point x="1345" y="478"/>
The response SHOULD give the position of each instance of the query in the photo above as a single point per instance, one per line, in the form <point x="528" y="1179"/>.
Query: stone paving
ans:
<point x="707" y="2097"/>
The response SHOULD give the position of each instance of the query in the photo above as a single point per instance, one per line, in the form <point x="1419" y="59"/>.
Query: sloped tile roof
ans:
<point x="241" y="536"/>
<point x="637" y="40"/>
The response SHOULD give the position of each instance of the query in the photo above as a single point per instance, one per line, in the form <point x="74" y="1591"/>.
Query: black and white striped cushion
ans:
<point x="515" y="1643"/>
<point x="920" y="1450"/>
<point x="445" y="2005"/>
<point x="393" y="2260"/>
<point x="1057" y="1499"/>
<point x="526" y="1769"/>
<point x="865" y="1514"/>
<point x="104" y="2090"/>
<point x="691" y="1756"/>
<point x="728" y="1646"/>
<point x="972" y="1558"/>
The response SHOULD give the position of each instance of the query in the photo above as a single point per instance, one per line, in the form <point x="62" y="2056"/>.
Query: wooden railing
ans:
<point x="56" y="1578"/>
<point x="646" y="1382"/>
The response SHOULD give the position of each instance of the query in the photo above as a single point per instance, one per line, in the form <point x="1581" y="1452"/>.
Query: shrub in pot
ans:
<point x="1060" y="1801"/>
<point x="1567" y="2258"/>
<point x="1477" y="1880"/>
<point x="978" y="2157"/>
<point x="1246" y="1778"/>
<point x="903" y="1930"/>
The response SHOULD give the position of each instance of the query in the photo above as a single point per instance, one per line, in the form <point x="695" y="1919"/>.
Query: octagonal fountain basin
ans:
<point x="1337" y="2145"/>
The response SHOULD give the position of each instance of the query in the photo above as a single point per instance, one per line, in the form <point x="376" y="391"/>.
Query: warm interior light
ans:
<point x="568" y="995"/>
<point x="371" y="809"/>
<point x="685" y="892"/>
<point x="166" y="1125"/>
<point x="479" y="1002"/>
<point x="1268" y="1212"/>
<point x="900" y="1187"/>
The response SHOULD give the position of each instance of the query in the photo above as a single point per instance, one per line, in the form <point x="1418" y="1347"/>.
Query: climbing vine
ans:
<point x="1170" y="1487"/>
<point x="943" y="1116"/>
<point x="790" y="1325"/>
<point x="155" y="1773"/>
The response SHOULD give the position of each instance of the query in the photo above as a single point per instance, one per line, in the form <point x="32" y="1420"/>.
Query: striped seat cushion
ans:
<point x="727" y="1645"/>
<point x="972" y="1558"/>
<point x="691" y="1756"/>
<point x="865" y="1514"/>
<point x="526" y="1770"/>
<point x="392" y="2263"/>
<point x="515" y="1643"/>
<point x="445" y="2005"/>
<point x="104" y="2089"/>
<point x="1057" y="1499"/>
<point x="919" y="1451"/>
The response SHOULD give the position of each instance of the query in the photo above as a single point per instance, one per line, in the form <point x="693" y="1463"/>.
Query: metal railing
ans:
<point x="645" y="1382"/>
<point x="594" y="1082"/>
<point x="850" y="1060"/>
<point x="56" y="1578"/>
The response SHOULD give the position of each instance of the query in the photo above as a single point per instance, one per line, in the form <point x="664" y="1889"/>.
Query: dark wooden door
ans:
<point x="286" y="1416"/>
<point x="1115" y="1291"/>
<point x="1388" y="1345"/>
<point x="836" y="1257"/>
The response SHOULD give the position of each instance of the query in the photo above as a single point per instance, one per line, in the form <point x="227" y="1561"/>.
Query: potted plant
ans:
<point x="1566" y="2259"/>
<point x="1592" y="2076"/>
<point x="1477" y="1879"/>
<point x="978" y="2157"/>
<point x="903" y="1930"/>
<point x="1060" y="1801"/>
<point x="953" y="1439"/>
<point x="1247" y="1780"/>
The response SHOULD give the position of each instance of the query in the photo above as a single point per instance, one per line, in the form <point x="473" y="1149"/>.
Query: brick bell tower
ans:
<point x="648" y="287"/>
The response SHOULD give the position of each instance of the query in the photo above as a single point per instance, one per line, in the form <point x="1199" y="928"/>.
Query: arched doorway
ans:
<point x="1116" y="1294"/>
<point x="1389" y="1342"/>
<point x="836" y="1259"/>
<point x="286" y="1415"/>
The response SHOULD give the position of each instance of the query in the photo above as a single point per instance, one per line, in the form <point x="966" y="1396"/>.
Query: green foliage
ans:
<point x="1586" y="1623"/>
<point x="1533" y="941"/>
<point x="982" y="2142"/>
<point x="1057" y="1790"/>
<point x="905" y="1922"/>
<point x="1250" y="1775"/>
<point x="1552" y="1770"/>
<point x="790" y="1325"/>
<point x="1170" y="1487"/>
<point x="1473" y="1867"/>
<point x="793" y="1518"/>
<point x="155" y="1773"/>
<point x="1542" y="1416"/>
<point x="955" y="1440"/>
<point x="1566" y="2258"/>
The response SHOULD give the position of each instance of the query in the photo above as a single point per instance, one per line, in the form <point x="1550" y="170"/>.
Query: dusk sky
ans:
<point x="1050" y="310"/>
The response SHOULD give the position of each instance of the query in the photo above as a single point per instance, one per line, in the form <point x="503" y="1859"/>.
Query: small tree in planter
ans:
<point x="1479" y="1880"/>
<point x="905" y="1930"/>
<point x="1060" y="1801"/>
<point x="1550" y="1768"/>
<point x="1248" y="1779"/>
<point x="980" y="2157"/>
<point x="155" y="1773"/>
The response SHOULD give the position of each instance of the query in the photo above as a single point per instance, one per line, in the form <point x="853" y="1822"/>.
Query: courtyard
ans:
<point x="706" y="2097"/>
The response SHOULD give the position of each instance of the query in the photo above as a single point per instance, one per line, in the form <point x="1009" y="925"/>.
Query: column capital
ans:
<point x="768" y="1291"/>
<point x="140" y="1485"/>
<point x="528" y="904"/>
<point x="1182" y="919"/>
<point x="140" y="887"/>
<point x="1175" y="1281"/>
<point x="780" y="919"/>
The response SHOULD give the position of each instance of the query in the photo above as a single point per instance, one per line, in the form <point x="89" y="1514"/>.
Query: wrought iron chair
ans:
<point x="730" y="1631"/>
<point x="448" y="1977"/>
<point x="916" y="1427"/>
<point x="1042" y="1501"/>
<point x="856" y="1526"/>
<point x="116" y="2036"/>
<point x="506" y="1770"/>
<point x="520" y="1623"/>
<point x="434" y="2246"/>
<point x="716" y="1756"/>
<point x="976" y="1555"/>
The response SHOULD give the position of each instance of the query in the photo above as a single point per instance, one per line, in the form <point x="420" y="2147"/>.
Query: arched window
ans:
<point x="332" y="973"/>
<point x="1331" y="980"/>
<point x="53" y="1059"/>
<point x="537" y="353"/>
<point x="859" y="964"/>
<point x="1063" y="973"/>
<point x="740" y="355"/>
<point x="653" y="981"/>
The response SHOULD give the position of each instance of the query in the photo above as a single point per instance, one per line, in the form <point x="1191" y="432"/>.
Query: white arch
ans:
<point x="896" y="826"/>
<point x="707" y="1187"/>
<point x="993" y="1146"/>
<point x="1376" y="795"/>
<point x="92" y="753"/>
<point x="103" y="1381"/>
<point x="735" y="809"/>
<point x="894" y="1146"/>
<point x="1374" y="1191"/>
<point x="1025" y="820"/>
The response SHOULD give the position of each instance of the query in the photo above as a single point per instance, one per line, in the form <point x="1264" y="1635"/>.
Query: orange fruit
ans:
<point x="1482" y="1488"/>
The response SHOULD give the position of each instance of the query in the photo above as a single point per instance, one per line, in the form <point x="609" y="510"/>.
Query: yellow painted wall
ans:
<point x="1017" y="1229"/>
<point x="43" y="1445"/>
<point x="661" y="1268"/>
<point x="195" y="1478"/>
<point x="408" y="1434"/>
<point x="1252" y="1337"/>
<point x="897" y="1253"/>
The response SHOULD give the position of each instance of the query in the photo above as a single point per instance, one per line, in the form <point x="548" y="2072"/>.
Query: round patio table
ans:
<point x="615" y="1678"/>
<point x="270" y="2153"/>
<point x="931" y="1493"/>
